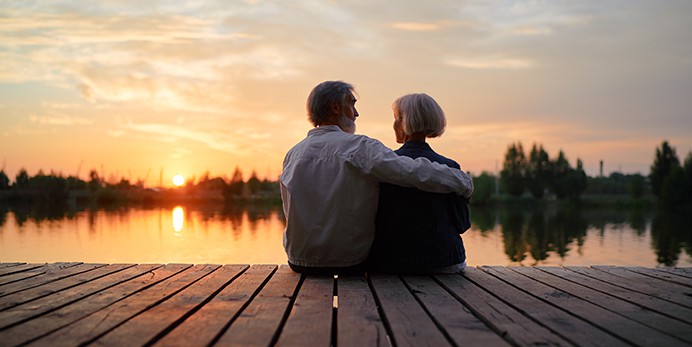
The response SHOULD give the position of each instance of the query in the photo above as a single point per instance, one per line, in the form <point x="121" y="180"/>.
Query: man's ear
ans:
<point x="335" y="108"/>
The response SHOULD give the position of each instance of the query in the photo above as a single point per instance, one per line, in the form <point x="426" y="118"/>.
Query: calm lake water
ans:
<point x="253" y="234"/>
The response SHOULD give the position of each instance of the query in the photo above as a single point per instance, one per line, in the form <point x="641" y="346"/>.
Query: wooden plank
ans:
<point x="21" y="297"/>
<point x="310" y="320"/>
<point x="409" y="323"/>
<point x="140" y="307"/>
<point x="7" y="279"/>
<point x="100" y="322"/>
<point x="651" y="303"/>
<point x="600" y="309"/>
<point x="20" y="276"/>
<point x="206" y="324"/>
<point x="640" y="284"/>
<point x="505" y="320"/>
<point x="672" y="292"/>
<point x="4" y="265"/>
<point x="51" y="273"/>
<point x="358" y="322"/>
<point x="260" y="321"/>
<point x="557" y="320"/>
<point x="35" y="308"/>
<point x="45" y="324"/>
<point x="19" y="268"/>
<point x="148" y="326"/>
<point x="683" y="272"/>
<point x="662" y="275"/>
<point x="457" y="320"/>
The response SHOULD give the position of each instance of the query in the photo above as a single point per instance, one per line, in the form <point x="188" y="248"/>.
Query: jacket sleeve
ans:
<point x="373" y="158"/>
<point x="459" y="214"/>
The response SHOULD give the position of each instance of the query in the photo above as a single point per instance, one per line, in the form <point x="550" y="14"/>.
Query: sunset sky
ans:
<point x="134" y="88"/>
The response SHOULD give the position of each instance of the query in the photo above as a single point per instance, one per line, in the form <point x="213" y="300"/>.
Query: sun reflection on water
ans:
<point x="178" y="219"/>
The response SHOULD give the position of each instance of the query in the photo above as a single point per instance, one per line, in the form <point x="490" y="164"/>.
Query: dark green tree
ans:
<point x="236" y="187"/>
<point x="561" y="172"/>
<point x="664" y="162"/>
<point x="580" y="179"/>
<point x="74" y="183"/>
<point x="483" y="188"/>
<point x="95" y="182"/>
<point x="688" y="177"/>
<point x="4" y="181"/>
<point x="50" y="188"/>
<point x="538" y="171"/>
<point x="513" y="170"/>
<point x="21" y="180"/>
<point x="673" y="187"/>
<point x="269" y="186"/>
<point x="253" y="183"/>
<point x="636" y="186"/>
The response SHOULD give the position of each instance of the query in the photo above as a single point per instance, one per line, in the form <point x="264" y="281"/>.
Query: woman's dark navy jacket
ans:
<point x="417" y="230"/>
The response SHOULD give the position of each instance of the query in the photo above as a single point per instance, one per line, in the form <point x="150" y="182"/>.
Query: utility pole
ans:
<point x="601" y="169"/>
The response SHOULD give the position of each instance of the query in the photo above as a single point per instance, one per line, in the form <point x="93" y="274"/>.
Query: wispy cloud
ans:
<point x="423" y="26"/>
<point x="60" y="120"/>
<point x="533" y="30"/>
<point x="165" y="61"/>
<point x="492" y="63"/>
<point x="171" y="133"/>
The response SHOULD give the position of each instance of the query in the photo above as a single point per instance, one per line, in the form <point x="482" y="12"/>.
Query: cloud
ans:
<point x="115" y="133"/>
<point x="121" y="84"/>
<point x="492" y="63"/>
<point x="422" y="26"/>
<point x="533" y="30"/>
<point x="171" y="133"/>
<point x="164" y="61"/>
<point x="60" y="120"/>
<point x="180" y="153"/>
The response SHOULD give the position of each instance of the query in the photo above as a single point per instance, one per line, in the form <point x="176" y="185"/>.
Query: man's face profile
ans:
<point x="347" y="114"/>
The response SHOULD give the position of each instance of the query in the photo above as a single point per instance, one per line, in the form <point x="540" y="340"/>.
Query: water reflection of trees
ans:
<point x="36" y="212"/>
<point x="483" y="219"/>
<point x="233" y="213"/>
<point x="671" y="232"/>
<point x="533" y="233"/>
<point x="540" y="231"/>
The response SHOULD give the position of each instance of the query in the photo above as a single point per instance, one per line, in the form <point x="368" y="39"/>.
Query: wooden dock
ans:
<point x="71" y="304"/>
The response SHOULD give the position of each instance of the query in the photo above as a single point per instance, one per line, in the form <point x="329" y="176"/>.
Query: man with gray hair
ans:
<point x="330" y="185"/>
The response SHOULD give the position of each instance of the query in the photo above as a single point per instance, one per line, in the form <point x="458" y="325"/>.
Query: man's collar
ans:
<point x="324" y="128"/>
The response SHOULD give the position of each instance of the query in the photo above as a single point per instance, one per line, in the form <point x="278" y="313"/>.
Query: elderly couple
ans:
<point x="354" y="205"/>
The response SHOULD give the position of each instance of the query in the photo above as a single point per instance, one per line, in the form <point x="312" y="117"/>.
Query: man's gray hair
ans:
<point x="321" y="98"/>
<point x="420" y="114"/>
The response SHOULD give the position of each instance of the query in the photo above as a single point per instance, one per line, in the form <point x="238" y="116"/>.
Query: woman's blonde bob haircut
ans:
<point x="420" y="114"/>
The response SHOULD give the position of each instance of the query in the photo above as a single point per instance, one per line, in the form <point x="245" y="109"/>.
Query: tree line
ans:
<point x="535" y="173"/>
<point x="540" y="176"/>
<point x="56" y="188"/>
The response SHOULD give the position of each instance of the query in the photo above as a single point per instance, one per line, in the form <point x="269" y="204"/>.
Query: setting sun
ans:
<point x="178" y="180"/>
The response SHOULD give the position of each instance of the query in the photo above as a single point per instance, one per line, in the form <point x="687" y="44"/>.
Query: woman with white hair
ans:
<point x="419" y="232"/>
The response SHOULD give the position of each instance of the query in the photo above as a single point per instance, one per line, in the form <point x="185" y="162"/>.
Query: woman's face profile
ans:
<point x="398" y="128"/>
